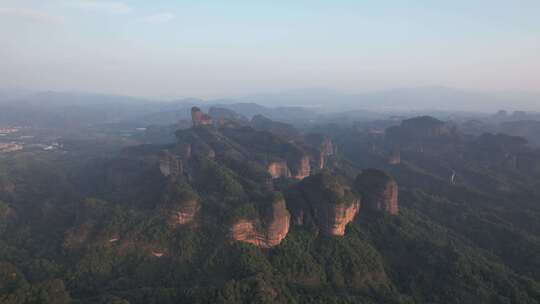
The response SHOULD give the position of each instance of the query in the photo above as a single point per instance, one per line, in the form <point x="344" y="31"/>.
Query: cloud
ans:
<point x="110" y="7"/>
<point x="159" y="18"/>
<point x="32" y="15"/>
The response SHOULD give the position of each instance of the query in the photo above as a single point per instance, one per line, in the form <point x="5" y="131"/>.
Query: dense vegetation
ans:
<point x="96" y="229"/>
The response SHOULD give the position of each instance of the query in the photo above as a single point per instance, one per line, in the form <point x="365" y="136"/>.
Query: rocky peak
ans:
<point x="181" y="205"/>
<point x="301" y="168"/>
<point x="330" y="201"/>
<point x="266" y="232"/>
<point x="279" y="169"/>
<point x="170" y="165"/>
<point x="185" y="212"/>
<point x="419" y="128"/>
<point x="379" y="191"/>
<point x="199" y="118"/>
<point x="324" y="147"/>
<point x="327" y="147"/>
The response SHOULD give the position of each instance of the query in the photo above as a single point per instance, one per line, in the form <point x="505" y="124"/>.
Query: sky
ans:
<point x="221" y="48"/>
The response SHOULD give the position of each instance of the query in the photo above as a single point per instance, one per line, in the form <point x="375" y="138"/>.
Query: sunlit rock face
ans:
<point x="245" y="231"/>
<point x="327" y="149"/>
<point x="265" y="235"/>
<point x="185" y="212"/>
<point x="302" y="168"/>
<point x="279" y="169"/>
<point x="181" y="204"/>
<point x="334" y="218"/>
<point x="379" y="191"/>
<point x="324" y="147"/>
<point x="199" y="118"/>
<point x="330" y="201"/>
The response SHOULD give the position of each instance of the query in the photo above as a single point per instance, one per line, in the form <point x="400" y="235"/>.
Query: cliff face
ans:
<point x="279" y="169"/>
<point x="379" y="191"/>
<point x="334" y="218"/>
<point x="267" y="233"/>
<point x="330" y="202"/>
<point x="199" y="118"/>
<point x="185" y="212"/>
<point x="327" y="149"/>
<point x="170" y="165"/>
<point x="324" y="148"/>
<point x="245" y="231"/>
<point x="181" y="204"/>
<point x="302" y="168"/>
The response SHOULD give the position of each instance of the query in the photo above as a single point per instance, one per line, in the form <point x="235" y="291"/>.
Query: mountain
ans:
<point x="433" y="98"/>
<point x="231" y="212"/>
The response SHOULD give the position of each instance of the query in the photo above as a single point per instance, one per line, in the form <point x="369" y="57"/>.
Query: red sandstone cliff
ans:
<point x="185" y="212"/>
<point x="199" y="118"/>
<point x="266" y="233"/>
<point x="333" y="218"/>
<point x="279" y="169"/>
<point x="302" y="168"/>
<point x="327" y="149"/>
<point x="379" y="190"/>
<point x="180" y="205"/>
<point x="329" y="201"/>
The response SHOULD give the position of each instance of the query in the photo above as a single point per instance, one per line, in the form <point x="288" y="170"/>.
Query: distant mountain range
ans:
<point x="401" y="99"/>
<point x="63" y="109"/>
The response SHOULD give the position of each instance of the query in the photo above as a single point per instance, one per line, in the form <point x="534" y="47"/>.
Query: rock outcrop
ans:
<point x="334" y="218"/>
<point x="330" y="201"/>
<point x="266" y="233"/>
<point x="379" y="191"/>
<point x="170" y="165"/>
<point x="185" y="212"/>
<point x="181" y="205"/>
<point x="302" y="168"/>
<point x="279" y="169"/>
<point x="324" y="148"/>
<point x="327" y="149"/>
<point x="199" y="118"/>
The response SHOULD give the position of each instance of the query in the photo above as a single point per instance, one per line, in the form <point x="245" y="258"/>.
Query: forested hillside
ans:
<point x="257" y="211"/>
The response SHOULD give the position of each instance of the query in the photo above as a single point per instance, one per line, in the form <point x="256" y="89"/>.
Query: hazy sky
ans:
<point x="230" y="47"/>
